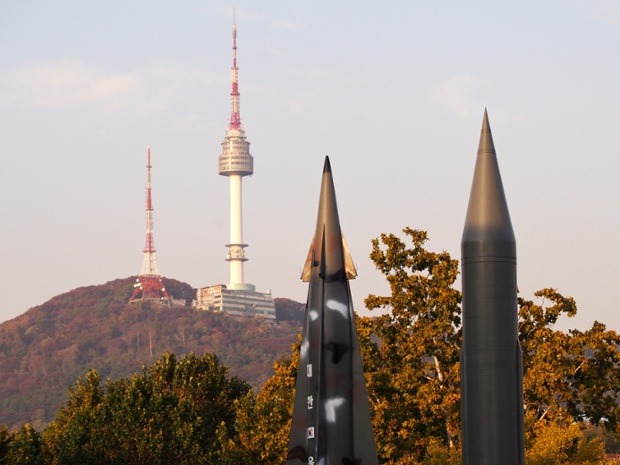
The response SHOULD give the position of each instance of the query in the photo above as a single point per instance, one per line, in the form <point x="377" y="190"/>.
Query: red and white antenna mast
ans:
<point x="149" y="285"/>
<point x="235" y="104"/>
<point x="149" y="264"/>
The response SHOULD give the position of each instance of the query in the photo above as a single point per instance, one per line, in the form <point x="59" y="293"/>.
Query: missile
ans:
<point x="331" y="418"/>
<point x="491" y="360"/>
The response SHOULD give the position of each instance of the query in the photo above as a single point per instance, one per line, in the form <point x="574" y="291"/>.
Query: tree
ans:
<point x="5" y="442"/>
<point x="263" y="421"/>
<point x="571" y="382"/>
<point x="21" y="447"/>
<point x="562" y="444"/>
<point x="411" y="354"/>
<point x="72" y="437"/>
<point x="173" y="412"/>
<point x="568" y="376"/>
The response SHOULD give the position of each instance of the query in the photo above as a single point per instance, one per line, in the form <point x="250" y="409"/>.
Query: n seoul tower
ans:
<point x="235" y="162"/>
<point x="236" y="298"/>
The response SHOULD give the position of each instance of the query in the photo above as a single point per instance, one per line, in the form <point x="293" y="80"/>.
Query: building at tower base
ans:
<point x="236" y="302"/>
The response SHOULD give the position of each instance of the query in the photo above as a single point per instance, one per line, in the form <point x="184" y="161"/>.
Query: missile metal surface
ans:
<point x="491" y="361"/>
<point x="331" y="422"/>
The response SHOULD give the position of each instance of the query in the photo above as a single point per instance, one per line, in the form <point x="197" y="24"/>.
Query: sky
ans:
<point x="394" y="92"/>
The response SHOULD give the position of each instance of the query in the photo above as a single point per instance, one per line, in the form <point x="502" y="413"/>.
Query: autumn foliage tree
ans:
<point x="412" y="365"/>
<point x="571" y="380"/>
<point x="263" y="421"/>
<point x="176" y="411"/>
<point x="568" y="376"/>
<point x="21" y="447"/>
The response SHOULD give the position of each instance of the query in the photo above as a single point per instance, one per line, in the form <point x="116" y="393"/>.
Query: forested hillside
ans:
<point x="46" y="349"/>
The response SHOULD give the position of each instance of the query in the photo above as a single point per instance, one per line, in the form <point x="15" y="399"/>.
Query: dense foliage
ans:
<point x="289" y="310"/>
<point x="50" y="346"/>
<point x="189" y="411"/>
<point x="177" y="411"/>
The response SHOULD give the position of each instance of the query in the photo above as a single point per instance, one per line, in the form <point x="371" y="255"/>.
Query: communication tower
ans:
<point x="235" y="162"/>
<point x="149" y="285"/>
<point x="237" y="297"/>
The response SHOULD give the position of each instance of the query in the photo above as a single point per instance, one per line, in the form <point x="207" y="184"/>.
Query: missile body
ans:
<point x="331" y="422"/>
<point x="491" y="361"/>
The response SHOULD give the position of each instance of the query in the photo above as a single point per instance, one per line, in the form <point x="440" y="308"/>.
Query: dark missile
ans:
<point x="331" y="418"/>
<point x="491" y="362"/>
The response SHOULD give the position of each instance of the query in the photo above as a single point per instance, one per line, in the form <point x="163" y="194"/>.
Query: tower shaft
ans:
<point x="236" y="256"/>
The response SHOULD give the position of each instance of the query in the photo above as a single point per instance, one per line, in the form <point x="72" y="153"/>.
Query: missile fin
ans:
<point x="307" y="270"/>
<point x="349" y="266"/>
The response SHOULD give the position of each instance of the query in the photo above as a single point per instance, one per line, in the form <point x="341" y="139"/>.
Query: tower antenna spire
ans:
<point x="235" y="104"/>
<point x="149" y="285"/>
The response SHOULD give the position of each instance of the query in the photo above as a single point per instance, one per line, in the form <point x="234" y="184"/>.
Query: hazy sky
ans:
<point x="393" y="91"/>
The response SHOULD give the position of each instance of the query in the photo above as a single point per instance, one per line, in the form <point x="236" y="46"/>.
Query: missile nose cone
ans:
<point x="328" y="251"/>
<point x="488" y="218"/>
<point x="327" y="168"/>
<point x="328" y="208"/>
<point x="328" y="236"/>
<point x="486" y="138"/>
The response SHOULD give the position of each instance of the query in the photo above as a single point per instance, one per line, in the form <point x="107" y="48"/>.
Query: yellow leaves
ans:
<point x="563" y="444"/>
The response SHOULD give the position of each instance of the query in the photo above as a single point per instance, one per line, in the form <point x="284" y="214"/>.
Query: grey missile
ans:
<point x="331" y="418"/>
<point x="491" y="361"/>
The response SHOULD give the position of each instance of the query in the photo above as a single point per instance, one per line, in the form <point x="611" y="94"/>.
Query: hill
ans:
<point x="45" y="350"/>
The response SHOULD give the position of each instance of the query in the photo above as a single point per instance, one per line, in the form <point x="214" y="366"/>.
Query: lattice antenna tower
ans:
<point x="235" y="162"/>
<point x="149" y="285"/>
